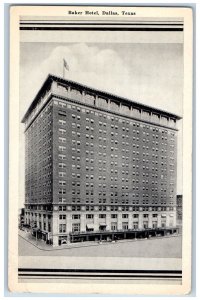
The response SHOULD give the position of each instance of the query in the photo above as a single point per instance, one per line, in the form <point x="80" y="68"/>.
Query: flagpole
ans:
<point x="63" y="70"/>
<point x="65" y="66"/>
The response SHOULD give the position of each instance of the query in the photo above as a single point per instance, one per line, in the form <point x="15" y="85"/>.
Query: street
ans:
<point x="167" y="247"/>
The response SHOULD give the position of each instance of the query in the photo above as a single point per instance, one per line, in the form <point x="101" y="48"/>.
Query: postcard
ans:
<point x="100" y="150"/>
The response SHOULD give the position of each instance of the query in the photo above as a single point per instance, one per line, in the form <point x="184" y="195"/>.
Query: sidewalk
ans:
<point x="40" y="244"/>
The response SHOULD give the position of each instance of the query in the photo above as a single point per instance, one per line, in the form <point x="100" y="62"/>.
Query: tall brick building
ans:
<point x="97" y="165"/>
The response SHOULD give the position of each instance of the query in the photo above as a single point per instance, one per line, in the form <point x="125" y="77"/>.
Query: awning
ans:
<point x="102" y="224"/>
<point x="171" y="215"/>
<point x="90" y="226"/>
<point x="163" y="215"/>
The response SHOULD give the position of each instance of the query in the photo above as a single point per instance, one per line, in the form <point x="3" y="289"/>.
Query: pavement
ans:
<point x="168" y="246"/>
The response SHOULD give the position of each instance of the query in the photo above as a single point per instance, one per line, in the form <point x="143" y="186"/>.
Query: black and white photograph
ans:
<point x="103" y="166"/>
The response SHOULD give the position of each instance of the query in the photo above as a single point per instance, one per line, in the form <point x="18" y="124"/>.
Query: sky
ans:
<point x="149" y="73"/>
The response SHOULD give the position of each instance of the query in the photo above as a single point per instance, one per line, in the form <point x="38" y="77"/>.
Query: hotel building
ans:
<point x="97" y="166"/>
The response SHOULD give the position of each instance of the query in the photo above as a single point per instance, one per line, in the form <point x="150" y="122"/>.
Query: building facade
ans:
<point x="96" y="163"/>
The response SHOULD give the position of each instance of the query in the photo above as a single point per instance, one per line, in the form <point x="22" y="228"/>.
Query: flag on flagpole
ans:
<point x="65" y="64"/>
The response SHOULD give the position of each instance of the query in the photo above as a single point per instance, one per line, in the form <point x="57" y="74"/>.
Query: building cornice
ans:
<point x="52" y="78"/>
<point x="52" y="96"/>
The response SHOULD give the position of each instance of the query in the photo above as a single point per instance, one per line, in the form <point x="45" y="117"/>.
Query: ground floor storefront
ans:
<point x="101" y="236"/>
<point x="115" y="235"/>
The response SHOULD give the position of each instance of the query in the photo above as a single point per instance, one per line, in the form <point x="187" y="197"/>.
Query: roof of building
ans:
<point x="51" y="78"/>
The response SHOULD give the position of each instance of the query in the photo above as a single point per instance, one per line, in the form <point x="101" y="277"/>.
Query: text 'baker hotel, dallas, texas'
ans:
<point x="97" y="166"/>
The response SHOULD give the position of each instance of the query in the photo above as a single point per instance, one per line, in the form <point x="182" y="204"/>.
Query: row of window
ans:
<point x="115" y="208"/>
<point x="78" y="117"/>
<point x="123" y="150"/>
<point x="103" y="216"/>
<point x="125" y="226"/>
<point x="63" y="182"/>
<point x="111" y="118"/>
<point x="63" y="140"/>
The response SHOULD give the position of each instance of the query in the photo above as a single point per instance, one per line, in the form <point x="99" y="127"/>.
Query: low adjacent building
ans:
<point x="179" y="209"/>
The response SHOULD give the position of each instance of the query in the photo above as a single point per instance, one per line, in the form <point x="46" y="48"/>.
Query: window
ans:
<point x="62" y="200"/>
<point x="62" y="191"/>
<point x="62" y="113"/>
<point x="62" y="165"/>
<point x="135" y="225"/>
<point x="44" y="224"/>
<point x="114" y="216"/>
<point x="62" y="208"/>
<point x="145" y="224"/>
<point x="62" y="217"/>
<point x="113" y="226"/>
<point x="76" y="227"/>
<point x="75" y="217"/>
<point x="124" y="216"/>
<point x="62" y="228"/>
<point x="135" y="215"/>
<point x="62" y="139"/>
<point x="62" y="148"/>
<point x="89" y="216"/>
<point x="154" y="224"/>
<point x="102" y="216"/>
<point x="124" y="225"/>
<point x="62" y="174"/>
<point x="61" y="130"/>
<point x="61" y="122"/>
<point x="62" y="182"/>
<point x="62" y="156"/>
